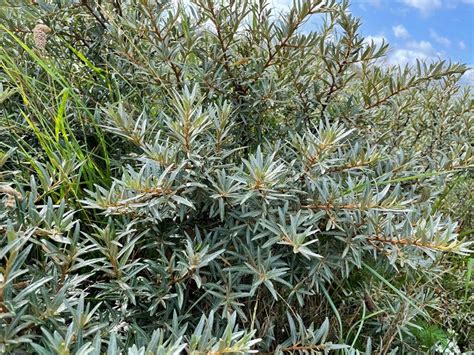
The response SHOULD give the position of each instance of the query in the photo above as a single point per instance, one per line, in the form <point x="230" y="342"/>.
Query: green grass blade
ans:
<point x="394" y="289"/>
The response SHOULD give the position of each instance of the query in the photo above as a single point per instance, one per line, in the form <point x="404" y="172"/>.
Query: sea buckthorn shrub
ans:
<point x="213" y="177"/>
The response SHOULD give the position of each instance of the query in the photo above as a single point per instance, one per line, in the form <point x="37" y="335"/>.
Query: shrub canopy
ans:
<point x="210" y="177"/>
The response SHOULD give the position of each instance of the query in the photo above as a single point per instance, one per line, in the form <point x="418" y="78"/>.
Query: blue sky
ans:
<point x="424" y="29"/>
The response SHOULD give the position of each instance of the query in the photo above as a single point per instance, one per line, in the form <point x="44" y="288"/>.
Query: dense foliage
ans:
<point x="209" y="177"/>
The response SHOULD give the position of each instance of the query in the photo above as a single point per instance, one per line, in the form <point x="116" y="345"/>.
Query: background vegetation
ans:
<point x="205" y="177"/>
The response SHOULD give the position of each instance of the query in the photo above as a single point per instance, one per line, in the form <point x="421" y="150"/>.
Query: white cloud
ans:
<point x="468" y="77"/>
<point x="406" y="56"/>
<point x="377" y="40"/>
<point x="422" y="50"/>
<point x="425" y="6"/>
<point x="281" y="4"/>
<point x="462" y="45"/>
<point x="440" y="39"/>
<point x="400" y="31"/>
<point x="422" y="46"/>
<point x="413" y="50"/>
<point x="285" y="5"/>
